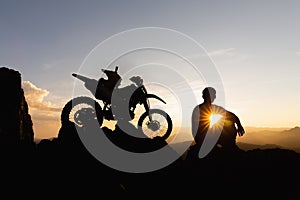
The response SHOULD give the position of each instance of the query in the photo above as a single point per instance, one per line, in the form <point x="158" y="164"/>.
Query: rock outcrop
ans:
<point x="15" y="120"/>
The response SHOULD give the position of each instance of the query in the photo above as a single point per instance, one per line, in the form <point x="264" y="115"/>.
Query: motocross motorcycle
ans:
<point x="112" y="102"/>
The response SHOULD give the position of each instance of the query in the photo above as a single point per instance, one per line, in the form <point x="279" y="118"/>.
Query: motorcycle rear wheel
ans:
<point x="81" y="108"/>
<point x="160" y="126"/>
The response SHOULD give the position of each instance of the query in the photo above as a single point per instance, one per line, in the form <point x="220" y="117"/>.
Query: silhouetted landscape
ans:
<point x="63" y="166"/>
<point x="285" y="138"/>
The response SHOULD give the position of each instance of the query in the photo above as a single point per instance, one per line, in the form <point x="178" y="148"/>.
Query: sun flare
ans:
<point x="214" y="118"/>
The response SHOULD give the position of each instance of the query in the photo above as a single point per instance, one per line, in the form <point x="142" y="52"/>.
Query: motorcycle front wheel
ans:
<point x="160" y="124"/>
<point x="80" y="109"/>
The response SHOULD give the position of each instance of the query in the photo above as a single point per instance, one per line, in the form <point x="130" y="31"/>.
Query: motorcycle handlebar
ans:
<point x="80" y="77"/>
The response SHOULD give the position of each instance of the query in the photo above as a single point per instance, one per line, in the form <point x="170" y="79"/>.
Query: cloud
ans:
<point x="35" y="98"/>
<point x="298" y="53"/>
<point x="223" y="52"/>
<point x="219" y="53"/>
<point x="45" y="115"/>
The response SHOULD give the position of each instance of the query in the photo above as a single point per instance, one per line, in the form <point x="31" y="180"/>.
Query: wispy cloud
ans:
<point x="219" y="53"/>
<point x="223" y="52"/>
<point x="35" y="98"/>
<point x="51" y="65"/>
<point x="45" y="115"/>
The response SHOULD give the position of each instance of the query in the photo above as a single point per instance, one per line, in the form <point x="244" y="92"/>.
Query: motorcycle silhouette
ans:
<point x="151" y="123"/>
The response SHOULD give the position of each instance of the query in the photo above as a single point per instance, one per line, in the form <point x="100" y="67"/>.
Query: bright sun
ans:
<point x="214" y="118"/>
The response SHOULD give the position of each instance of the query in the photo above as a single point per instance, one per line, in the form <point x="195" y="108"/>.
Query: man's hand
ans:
<point x="240" y="130"/>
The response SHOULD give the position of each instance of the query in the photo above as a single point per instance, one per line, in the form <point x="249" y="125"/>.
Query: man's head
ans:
<point x="209" y="94"/>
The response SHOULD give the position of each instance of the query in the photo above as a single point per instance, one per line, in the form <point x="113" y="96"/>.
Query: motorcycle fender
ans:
<point x="155" y="97"/>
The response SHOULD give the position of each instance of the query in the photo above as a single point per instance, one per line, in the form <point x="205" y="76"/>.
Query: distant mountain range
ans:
<point x="261" y="138"/>
<point x="247" y="146"/>
<point x="268" y="137"/>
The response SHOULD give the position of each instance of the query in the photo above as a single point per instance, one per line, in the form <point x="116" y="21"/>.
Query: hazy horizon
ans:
<point x="255" y="137"/>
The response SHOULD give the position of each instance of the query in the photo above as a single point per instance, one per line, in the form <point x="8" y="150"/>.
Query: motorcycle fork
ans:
<point x="147" y="108"/>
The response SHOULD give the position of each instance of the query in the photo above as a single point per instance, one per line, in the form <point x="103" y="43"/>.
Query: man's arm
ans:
<point x="195" y="120"/>
<point x="232" y="117"/>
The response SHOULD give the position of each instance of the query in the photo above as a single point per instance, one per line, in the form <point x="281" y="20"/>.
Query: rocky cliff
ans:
<point x="15" y="120"/>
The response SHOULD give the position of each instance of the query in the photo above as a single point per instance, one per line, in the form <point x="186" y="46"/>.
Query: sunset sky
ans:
<point x="254" y="46"/>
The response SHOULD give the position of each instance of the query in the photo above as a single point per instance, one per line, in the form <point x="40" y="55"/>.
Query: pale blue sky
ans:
<point x="254" y="44"/>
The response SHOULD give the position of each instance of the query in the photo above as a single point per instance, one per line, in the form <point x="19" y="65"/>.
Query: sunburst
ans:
<point x="214" y="118"/>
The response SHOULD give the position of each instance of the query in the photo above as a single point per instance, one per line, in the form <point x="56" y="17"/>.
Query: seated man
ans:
<point x="201" y="123"/>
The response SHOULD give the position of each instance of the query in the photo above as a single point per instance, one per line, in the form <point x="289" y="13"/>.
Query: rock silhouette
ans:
<point x="63" y="167"/>
<point x="15" y="121"/>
